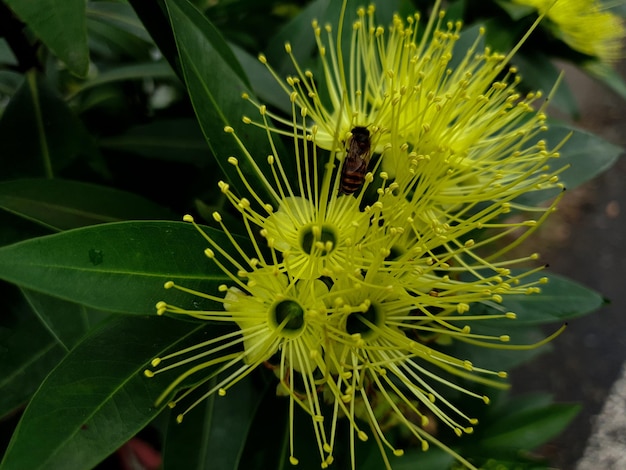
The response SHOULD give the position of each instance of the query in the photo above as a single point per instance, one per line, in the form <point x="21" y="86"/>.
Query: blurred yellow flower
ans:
<point x="585" y="25"/>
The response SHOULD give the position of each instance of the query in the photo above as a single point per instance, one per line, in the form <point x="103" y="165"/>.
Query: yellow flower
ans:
<point x="402" y="84"/>
<point x="274" y="314"/>
<point x="381" y="348"/>
<point x="316" y="244"/>
<point x="584" y="25"/>
<point x="357" y="293"/>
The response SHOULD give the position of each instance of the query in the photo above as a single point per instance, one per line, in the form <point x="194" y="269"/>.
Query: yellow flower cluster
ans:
<point x="350" y="296"/>
<point x="584" y="25"/>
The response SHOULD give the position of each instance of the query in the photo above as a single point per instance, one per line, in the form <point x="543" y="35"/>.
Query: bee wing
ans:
<point x="354" y="164"/>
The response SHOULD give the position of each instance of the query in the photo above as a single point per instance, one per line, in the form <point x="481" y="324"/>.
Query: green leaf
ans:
<point x="586" y="154"/>
<point x="15" y="229"/>
<point x="39" y="134"/>
<point x="28" y="352"/>
<point x="560" y="299"/>
<point x="269" y="447"/>
<point x="434" y="458"/>
<point x="122" y="73"/>
<point x="62" y="204"/>
<point x="215" y="84"/>
<point x="10" y="82"/>
<point x="154" y="18"/>
<point x="97" y="397"/>
<point x="529" y="428"/>
<point x="115" y="45"/>
<point x="179" y="140"/>
<point x="60" y="24"/>
<point x="120" y="15"/>
<point x="67" y="322"/>
<point x="607" y="75"/>
<point x="539" y="73"/>
<point x="118" y="267"/>
<point x="299" y="33"/>
<point x="213" y="434"/>
<point x="262" y="81"/>
<point x="516" y="11"/>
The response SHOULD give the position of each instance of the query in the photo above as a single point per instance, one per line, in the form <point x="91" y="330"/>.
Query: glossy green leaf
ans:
<point x="153" y="16"/>
<point x="529" y="428"/>
<point x="60" y="24"/>
<point x="212" y="435"/>
<point x="67" y="322"/>
<point x="121" y="15"/>
<point x="215" y="83"/>
<point x="269" y="447"/>
<point x="560" y="299"/>
<point x="586" y="154"/>
<point x="607" y="75"/>
<point x="39" y="134"/>
<point x="515" y="11"/>
<point x="266" y="88"/>
<point x="28" y="352"/>
<point x="115" y="45"/>
<point x="179" y="140"/>
<point x="97" y="397"/>
<point x="299" y="33"/>
<point x="539" y="73"/>
<point x="10" y="82"/>
<point x="62" y="204"/>
<point x="7" y="57"/>
<point x="15" y="229"/>
<point x="128" y="72"/>
<point x="500" y="360"/>
<point x="119" y="267"/>
<point x="434" y="458"/>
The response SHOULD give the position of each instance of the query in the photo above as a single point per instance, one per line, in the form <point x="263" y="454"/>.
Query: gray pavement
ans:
<point x="606" y="447"/>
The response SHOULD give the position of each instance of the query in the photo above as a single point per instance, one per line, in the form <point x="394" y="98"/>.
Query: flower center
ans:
<point x="362" y="322"/>
<point x="289" y="316"/>
<point x="318" y="239"/>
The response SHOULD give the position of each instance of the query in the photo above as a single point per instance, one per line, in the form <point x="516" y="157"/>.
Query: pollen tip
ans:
<point x="188" y="218"/>
<point x="221" y="392"/>
<point x="293" y="460"/>
<point x="362" y="436"/>
<point x="167" y="285"/>
<point x="148" y="373"/>
<point x="155" y="362"/>
<point x="179" y="418"/>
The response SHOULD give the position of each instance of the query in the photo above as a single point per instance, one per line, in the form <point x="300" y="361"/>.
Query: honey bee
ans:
<point x="356" y="161"/>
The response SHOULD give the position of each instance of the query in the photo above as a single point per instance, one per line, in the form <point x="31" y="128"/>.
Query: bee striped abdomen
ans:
<point x="356" y="162"/>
